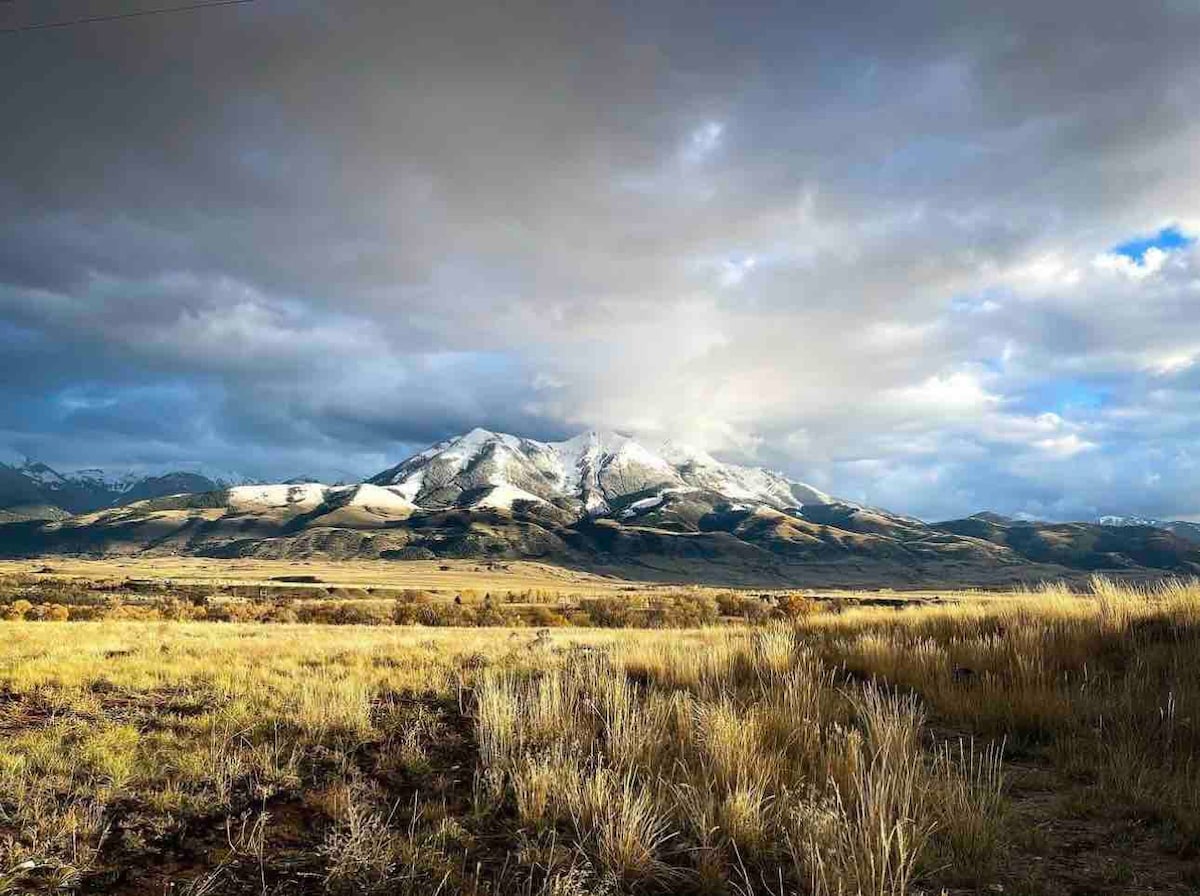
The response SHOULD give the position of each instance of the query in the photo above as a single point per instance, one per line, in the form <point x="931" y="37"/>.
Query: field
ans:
<point x="1033" y="743"/>
<point x="383" y="575"/>
<point x="431" y="593"/>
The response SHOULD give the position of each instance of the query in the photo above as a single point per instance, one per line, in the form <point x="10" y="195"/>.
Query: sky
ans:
<point x="937" y="257"/>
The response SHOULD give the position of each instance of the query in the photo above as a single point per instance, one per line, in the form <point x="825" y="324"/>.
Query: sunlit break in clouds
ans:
<point x="936" y="258"/>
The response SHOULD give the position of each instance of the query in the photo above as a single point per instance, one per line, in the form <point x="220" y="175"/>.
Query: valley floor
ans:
<point x="1042" y="743"/>
<point x="446" y="577"/>
<point x="388" y="575"/>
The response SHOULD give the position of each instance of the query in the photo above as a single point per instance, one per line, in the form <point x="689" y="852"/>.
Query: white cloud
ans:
<point x="1064" y="446"/>
<point x="702" y="142"/>
<point x="1050" y="270"/>
<point x="734" y="271"/>
<point x="1172" y="364"/>
<point x="1151" y="263"/>
<point x="945" y="394"/>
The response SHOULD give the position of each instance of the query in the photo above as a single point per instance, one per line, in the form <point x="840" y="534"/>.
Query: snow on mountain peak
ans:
<point x="681" y="454"/>
<point x="590" y="472"/>
<point x="91" y="489"/>
<point x="43" y="474"/>
<point x="123" y="480"/>
<point x="594" y="473"/>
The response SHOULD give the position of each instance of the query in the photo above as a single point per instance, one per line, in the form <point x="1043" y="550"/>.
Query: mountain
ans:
<point x="600" y="501"/>
<point x="594" y="474"/>
<point x="33" y="490"/>
<point x="1188" y="531"/>
<point x="989" y="517"/>
<point x="1084" y="546"/>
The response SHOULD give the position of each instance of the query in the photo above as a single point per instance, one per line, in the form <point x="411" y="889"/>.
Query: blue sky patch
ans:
<point x="1065" y="396"/>
<point x="1166" y="239"/>
<point x="978" y="303"/>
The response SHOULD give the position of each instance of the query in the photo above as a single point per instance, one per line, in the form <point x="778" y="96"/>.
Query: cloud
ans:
<point x="1149" y="263"/>
<point x="1064" y="446"/>
<point x="935" y="260"/>
<point x="951" y="394"/>
<point x="702" y="142"/>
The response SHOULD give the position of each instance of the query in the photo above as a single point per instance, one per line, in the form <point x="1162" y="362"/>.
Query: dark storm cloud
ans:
<point x="864" y="242"/>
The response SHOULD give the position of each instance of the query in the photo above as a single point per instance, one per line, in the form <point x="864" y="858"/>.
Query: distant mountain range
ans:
<point x="1188" y="531"/>
<point x="601" y="501"/>
<point x="33" y="490"/>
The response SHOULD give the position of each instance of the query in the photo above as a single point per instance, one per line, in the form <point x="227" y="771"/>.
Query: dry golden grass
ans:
<point x="1044" y="743"/>
<point x="449" y="575"/>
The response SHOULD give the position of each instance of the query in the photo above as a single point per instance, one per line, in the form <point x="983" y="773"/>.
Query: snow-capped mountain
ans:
<point x="1186" y="530"/>
<point x="600" y="500"/>
<point x="121" y="481"/>
<point x="32" y="488"/>
<point x="593" y="474"/>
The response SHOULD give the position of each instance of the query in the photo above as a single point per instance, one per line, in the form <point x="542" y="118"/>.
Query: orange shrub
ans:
<point x="794" y="606"/>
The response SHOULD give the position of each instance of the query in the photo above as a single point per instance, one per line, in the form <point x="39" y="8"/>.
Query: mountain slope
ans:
<point x="600" y="501"/>
<point x="1085" y="545"/>
<point x="24" y="497"/>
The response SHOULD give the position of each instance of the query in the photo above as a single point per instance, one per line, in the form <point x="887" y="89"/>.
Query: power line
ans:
<point x="125" y="15"/>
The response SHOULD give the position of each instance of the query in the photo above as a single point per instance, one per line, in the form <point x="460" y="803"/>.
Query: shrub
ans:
<point x="406" y="613"/>
<point x="544" y="617"/>
<point x="17" y="609"/>
<point x="57" y="613"/>
<point x="217" y="613"/>
<point x="755" y="611"/>
<point x="796" y="606"/>
<point x="608" y="612"/>
<point x="281" y="612"/>
<point x="729" y="603"/>
<point x="488" y="615"/>
<point x="47" y="613"/>
<point x="683" y="611"/>
<point x="174" y="608"/>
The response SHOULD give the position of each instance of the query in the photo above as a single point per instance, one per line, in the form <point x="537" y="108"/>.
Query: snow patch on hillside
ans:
<point x="374" y="497"/>
<point x="307" y="496"/>
<point x="502" y="496"/>
<point x="644" y="504"/>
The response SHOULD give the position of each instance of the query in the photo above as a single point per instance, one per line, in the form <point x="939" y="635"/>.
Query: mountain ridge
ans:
<point x="588" y="473"/>
<point x="32" y="489"/>
<point x="605" y="502"/>
<point x="1185" y="529"/>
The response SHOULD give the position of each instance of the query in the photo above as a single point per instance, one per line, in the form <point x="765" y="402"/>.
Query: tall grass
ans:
<point x="755" y="755"/>
<point x="853" y="753"/>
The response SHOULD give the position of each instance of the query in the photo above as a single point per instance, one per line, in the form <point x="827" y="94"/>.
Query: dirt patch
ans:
<point x="427" y="755"/>
<point x="1069" y="839"/>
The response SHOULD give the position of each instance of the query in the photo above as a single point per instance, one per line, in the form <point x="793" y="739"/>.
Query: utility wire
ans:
<point x="125" y="15"/>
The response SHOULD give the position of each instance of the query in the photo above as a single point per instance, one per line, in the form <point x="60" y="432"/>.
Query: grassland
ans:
<point x="451" y="593"/>
<point x="387" y="577"/>
<point x="379" y="575"/>
<point x="1035" y="743"/>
